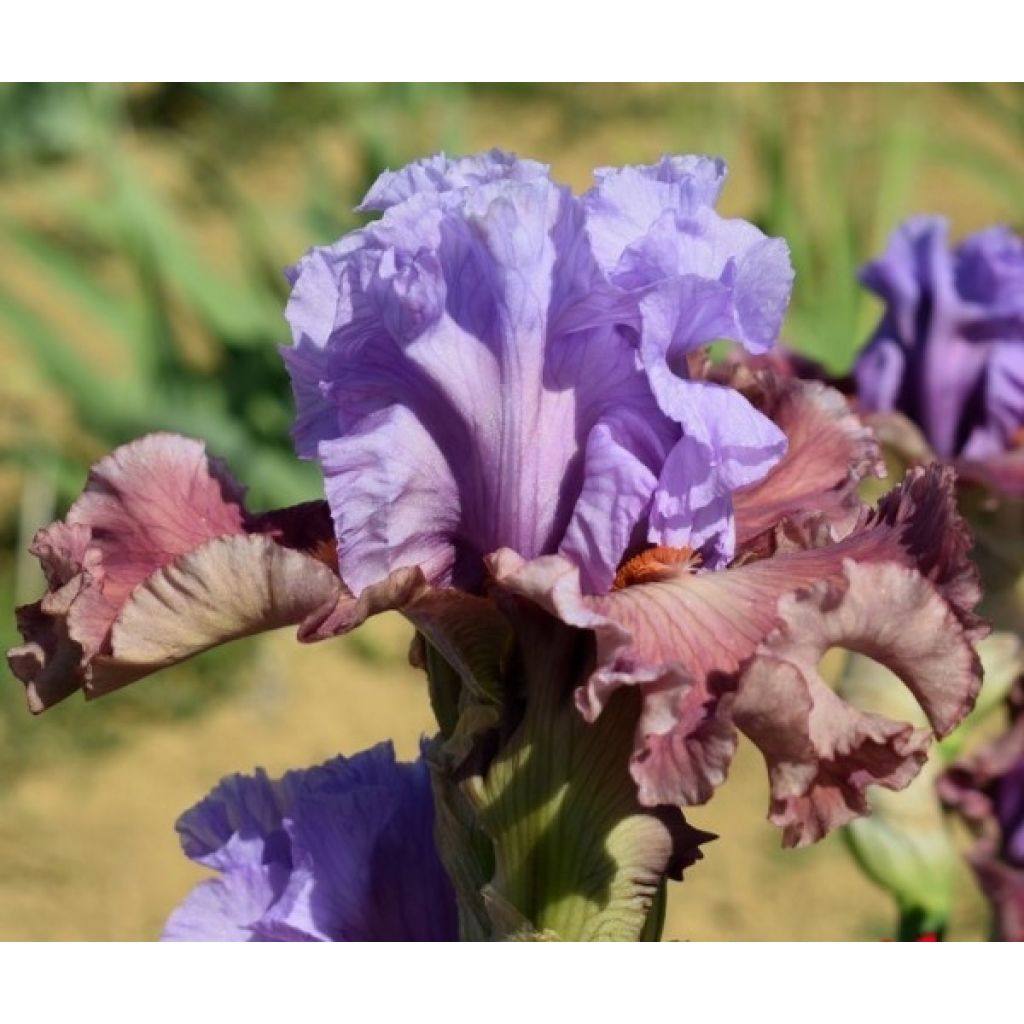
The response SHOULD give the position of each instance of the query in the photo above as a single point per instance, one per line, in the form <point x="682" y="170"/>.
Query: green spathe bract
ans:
<point x="545" y="839"/>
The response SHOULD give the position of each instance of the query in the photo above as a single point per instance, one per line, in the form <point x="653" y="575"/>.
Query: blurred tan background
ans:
<point x="142" y="233"/>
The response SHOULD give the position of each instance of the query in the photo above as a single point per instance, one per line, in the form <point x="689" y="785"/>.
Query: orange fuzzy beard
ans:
<point x="654" y="564"/>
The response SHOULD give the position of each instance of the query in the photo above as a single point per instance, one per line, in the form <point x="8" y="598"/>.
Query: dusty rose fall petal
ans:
<point x="61" y="549"/>
<point x="821" y="752"/>
<point x="229" y="588"/>
<point x="49" y="663"/>
<point x="686" y="741"/>
<point x="144" y="505"/>
<point x="682" y="636"/>
<point x="920" y="519"/>
<point x="396" y="591"/>
<point x="710" y="622"/>
<point x="681" y="639"/>
<point x="829" y="452"/>
<point x="157" y="560"/>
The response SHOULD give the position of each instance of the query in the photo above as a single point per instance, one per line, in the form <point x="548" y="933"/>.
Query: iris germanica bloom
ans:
<point x="343" y="852"/>
<point x="615" y="554"/>
<point x="949" y="351"/>
<point x="987" y="788"/>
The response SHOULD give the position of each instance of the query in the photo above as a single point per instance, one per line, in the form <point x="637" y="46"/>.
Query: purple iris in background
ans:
<point x="342" y="852"/>
<point x="497" y="363"/>
<point x="1009" y="799"/>
<point x="949" y="351"/>
<point x="987" y="788"/>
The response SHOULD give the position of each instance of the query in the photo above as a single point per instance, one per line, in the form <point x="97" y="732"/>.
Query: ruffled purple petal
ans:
<point x="949" y="350"/>
<point x="726" y="445"/>
<point x="472" y="380"/>
<point x="1003" y="426"/>
<point x="619" y="479"/>
<point x="239" y="823"/>
<point x="226" y="909"/>
<point x="440" y="173"/>
<point x="988" y="269"/>
<point x="655" y="225"/>
<point x="371" y="873"/>
<point x="340" y="852"/>
<point x="626" y="201"/>
<point x="453" y="354"/>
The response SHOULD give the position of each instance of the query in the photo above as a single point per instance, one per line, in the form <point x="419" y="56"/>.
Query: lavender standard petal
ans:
<point x="440" y="173"/>
<point x="475" y="366"/>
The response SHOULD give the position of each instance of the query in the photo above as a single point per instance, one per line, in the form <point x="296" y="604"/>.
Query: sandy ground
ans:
<point x="88" y="850"/>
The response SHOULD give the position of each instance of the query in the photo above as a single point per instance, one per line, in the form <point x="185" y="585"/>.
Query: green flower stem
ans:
<point x="572" y="854"/>
<point x="444" y="688"/>
<point x="917" y="922"/>
<point x="654" y="926"/>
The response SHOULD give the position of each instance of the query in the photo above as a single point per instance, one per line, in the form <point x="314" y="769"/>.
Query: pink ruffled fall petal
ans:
<point x="157" y="560"/>
<point x="822" y="752"/>
<point x="683" y="636"/>
<point x="829" y="452"/>
<point x="228" y="588"/>
<point x="144" y="505"/>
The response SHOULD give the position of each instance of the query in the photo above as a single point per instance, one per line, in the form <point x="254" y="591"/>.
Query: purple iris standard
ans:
<point x="497" y="363"/>
<point x="341" y="852"/>
<point x="949" y="351"/>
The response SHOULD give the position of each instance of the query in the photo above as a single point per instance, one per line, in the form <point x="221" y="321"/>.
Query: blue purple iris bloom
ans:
<point x="948" y="352"/>
<point x="987" y="789"/>
<point x="343" y="852"/>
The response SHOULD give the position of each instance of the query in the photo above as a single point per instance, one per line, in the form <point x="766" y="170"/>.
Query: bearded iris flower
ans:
<point x="948" y="353"/>
<point x="987" y="789"/>
<point x="340" y="852"/>
<point x="943" y="378"/>
<point x="615" y="554"/>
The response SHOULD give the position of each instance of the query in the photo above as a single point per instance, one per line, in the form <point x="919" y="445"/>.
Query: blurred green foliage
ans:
<point x="143" y="229"/>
